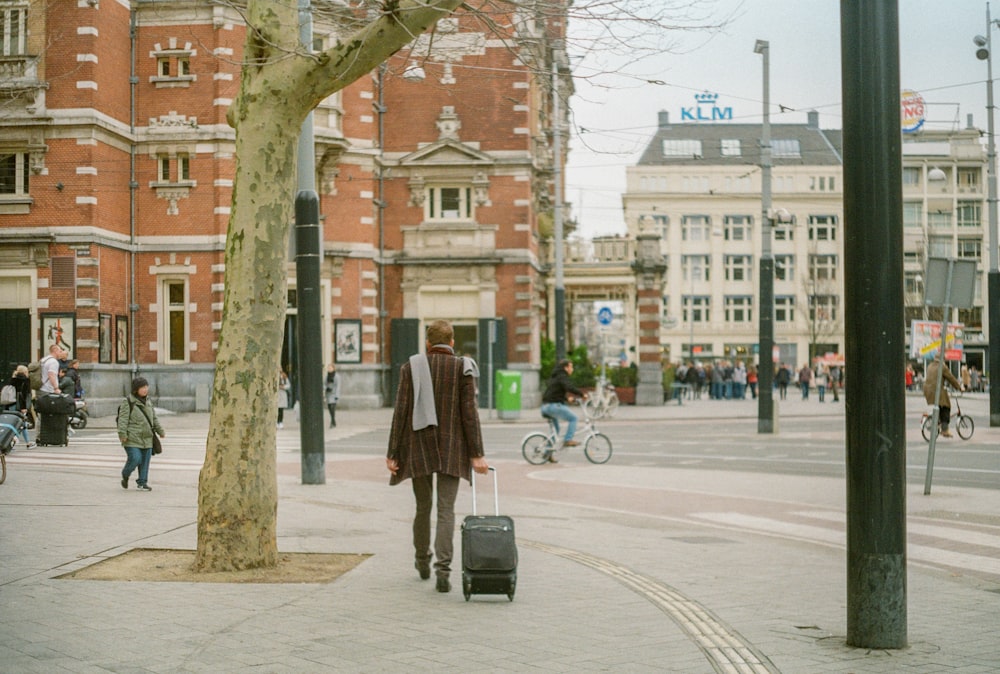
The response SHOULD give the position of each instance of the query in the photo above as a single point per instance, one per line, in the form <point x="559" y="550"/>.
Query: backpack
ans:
<point x="8" y="395"/>
<point x="35" y="375"/>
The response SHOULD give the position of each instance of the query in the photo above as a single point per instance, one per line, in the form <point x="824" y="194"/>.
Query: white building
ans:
<point x="699" y="186"/>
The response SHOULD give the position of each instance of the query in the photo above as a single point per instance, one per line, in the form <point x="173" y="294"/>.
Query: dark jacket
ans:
<point x="448" y="447"/>
<point x="23" y="386"/>
<point x="559" y="387"/>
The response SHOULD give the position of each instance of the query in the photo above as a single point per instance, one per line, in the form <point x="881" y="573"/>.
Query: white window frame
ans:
<point x="786" y="265"/>
<point x="433" y="204"/>
<point x="14" y="30"/>
<point x="786" y="148"/>
<point x="682" y="148"/>
<point x="969" y="214"/>
<point x="823" y="307"/>
<point x="970" y="249"/>
<point x="784" y="309"/>
<point x="16" y="166"/>
<point x="822" y="267"/>
<point x="698" y="265"/>
<point x="696" y="227"/>
<point x="739" y="267"/>
<point x="822" y="227"/>
<point x="739" y="309"/>
<point x="697" y="308"/>
<point x="169" y="310"/>
<point x="730" y="147"/>
<point x="738" y="227"/>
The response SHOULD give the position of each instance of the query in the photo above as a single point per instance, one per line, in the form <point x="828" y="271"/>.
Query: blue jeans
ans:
<point x="560" y="411"/>
<point x="137" y="456"/>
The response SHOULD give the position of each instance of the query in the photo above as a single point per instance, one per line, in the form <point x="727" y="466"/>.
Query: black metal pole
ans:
<point x="310" y="336"/>
<point x="765" y="368"/>
<point x="875" y="333"/>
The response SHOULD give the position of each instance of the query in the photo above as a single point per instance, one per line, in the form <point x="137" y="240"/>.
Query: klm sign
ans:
<point x="706" y="110"/>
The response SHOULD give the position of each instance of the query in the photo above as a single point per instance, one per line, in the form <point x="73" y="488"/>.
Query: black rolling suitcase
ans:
<point x="489" y="552"/>
<point x="54" y="403"/>
<point x="53" y="430"/>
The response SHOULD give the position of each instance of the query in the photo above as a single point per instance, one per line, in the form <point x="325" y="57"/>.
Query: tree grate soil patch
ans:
<point x="159" y="565"/>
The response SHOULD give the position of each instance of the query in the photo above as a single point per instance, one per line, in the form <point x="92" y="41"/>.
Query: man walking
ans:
<point x="435" y="432"/>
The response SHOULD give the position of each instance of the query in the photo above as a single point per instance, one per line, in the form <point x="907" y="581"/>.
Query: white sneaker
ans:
<point x="280" y="425"/>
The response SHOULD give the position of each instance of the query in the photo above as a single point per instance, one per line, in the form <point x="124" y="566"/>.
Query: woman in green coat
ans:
<point x="137" y="423"/>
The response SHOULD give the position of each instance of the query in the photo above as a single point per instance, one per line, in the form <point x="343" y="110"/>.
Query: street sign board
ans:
<point x="604" y="316"/>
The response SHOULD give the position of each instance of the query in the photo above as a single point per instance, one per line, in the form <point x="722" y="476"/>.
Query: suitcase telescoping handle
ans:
<point x="496" y="491"/>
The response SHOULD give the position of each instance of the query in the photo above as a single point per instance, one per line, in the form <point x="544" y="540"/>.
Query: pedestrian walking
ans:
<point x="805" y="378"/>
<point x="332" y="391"/>
<point x="283" y="398"/>
<point x="137" y="423"/>
<point x="821" y="377"/>
<point x="435" y="438"/>
<point x="782" y="378"/>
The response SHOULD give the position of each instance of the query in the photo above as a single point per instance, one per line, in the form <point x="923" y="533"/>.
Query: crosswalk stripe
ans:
<point x="916" y="553"/>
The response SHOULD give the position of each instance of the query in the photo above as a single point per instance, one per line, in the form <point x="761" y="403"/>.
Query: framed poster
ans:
<point x="347" y="340"/>
<point x="104" y="337"/>
<point x="121" y="339"/>
<point x="59" y="329"/>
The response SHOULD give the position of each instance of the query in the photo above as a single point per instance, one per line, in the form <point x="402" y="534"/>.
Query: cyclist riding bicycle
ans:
<point x="930" y="386"/>
<point x="559" y="391"/>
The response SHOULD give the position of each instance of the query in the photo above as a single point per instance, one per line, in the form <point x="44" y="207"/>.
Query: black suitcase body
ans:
<point x="11" y="426"/>
<point x="53" y="430"/>
<point x="54" y="403"/>
<point x="489" y="550"/>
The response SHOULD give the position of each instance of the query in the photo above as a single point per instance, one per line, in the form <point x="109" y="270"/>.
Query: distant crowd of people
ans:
<point x="728" y="380"/>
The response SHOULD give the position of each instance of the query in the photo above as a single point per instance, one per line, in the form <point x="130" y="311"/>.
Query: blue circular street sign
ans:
<point x="604" y="316"/>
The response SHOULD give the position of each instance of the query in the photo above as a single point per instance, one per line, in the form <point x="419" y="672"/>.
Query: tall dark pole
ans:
<point x="765" y="341"/>
<point x="873" y="274"/>
<point x="308" y="256"/>
<point x="560" y="289"/>
<point x="993" y="278"/>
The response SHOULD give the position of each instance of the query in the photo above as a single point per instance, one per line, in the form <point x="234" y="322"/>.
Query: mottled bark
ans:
<point x="237" y="489"/>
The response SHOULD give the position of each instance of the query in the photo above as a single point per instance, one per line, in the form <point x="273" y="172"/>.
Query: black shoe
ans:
<point x="124" y="483"/>
<point x="143" y="487"/>
<point x="443" y="584"/>
<point x="423" y="568"/>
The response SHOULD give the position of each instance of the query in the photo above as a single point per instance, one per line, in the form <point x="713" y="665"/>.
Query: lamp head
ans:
<point x="760" y="46"/>
<point x="983" y="52"/>
<point x="414" y="73"/>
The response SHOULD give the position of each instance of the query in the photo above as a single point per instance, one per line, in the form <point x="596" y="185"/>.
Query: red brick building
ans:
<point x="116" y="166"/>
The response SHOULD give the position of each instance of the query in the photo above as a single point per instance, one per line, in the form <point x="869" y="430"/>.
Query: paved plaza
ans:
<point x="609" y="580"/>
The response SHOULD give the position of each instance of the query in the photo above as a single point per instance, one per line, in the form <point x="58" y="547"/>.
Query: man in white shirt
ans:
<point x="50" y="369"/>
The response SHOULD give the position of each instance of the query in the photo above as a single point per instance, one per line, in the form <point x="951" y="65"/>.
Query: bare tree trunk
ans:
<point x="237" y="486"/>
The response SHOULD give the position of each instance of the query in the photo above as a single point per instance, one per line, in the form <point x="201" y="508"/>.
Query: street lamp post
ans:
<point x="985" y="53"/>
<point x="765" y="341"/>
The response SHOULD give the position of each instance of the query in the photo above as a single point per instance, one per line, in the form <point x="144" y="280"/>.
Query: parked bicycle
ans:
<point x="537" y="447"/>
<point x="963" y="423"/>
<point x="11" y="428"/>
<point x="603" y="402"/>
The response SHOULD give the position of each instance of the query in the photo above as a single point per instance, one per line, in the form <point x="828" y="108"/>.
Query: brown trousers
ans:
<point x="444" y="539"/>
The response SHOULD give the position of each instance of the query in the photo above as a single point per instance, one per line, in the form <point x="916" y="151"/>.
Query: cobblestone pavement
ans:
<point x="622" y="568"/>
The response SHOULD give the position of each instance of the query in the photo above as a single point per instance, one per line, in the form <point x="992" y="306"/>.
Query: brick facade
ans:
<point x="118" y="217"/>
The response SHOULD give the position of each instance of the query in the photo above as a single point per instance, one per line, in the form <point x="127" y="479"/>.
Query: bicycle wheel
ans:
<point x="612" y="405"/>
<point x="3" y="468"/>
<point x="597" y="448"/>
<point x="966" y="426"/>
<point x="536" y="448"/>
<point x="925" y="428"/>
<point x="592" y="408"/>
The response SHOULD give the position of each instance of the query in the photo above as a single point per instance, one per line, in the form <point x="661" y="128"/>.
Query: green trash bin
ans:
<point x="507" y="394"/>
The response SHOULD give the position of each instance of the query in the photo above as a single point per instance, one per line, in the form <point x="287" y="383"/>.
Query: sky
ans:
<point x="614" y="115"/>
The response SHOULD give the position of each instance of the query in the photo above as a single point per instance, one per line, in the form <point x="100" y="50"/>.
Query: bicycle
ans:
<point x="11" y="426"/>
<point x="963" y="423"/>
<point x="537" y="447"/>
<point x="603" y="402"/>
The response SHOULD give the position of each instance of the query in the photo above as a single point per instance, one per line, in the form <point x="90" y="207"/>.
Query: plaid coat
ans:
<point x="448" y="447"/>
